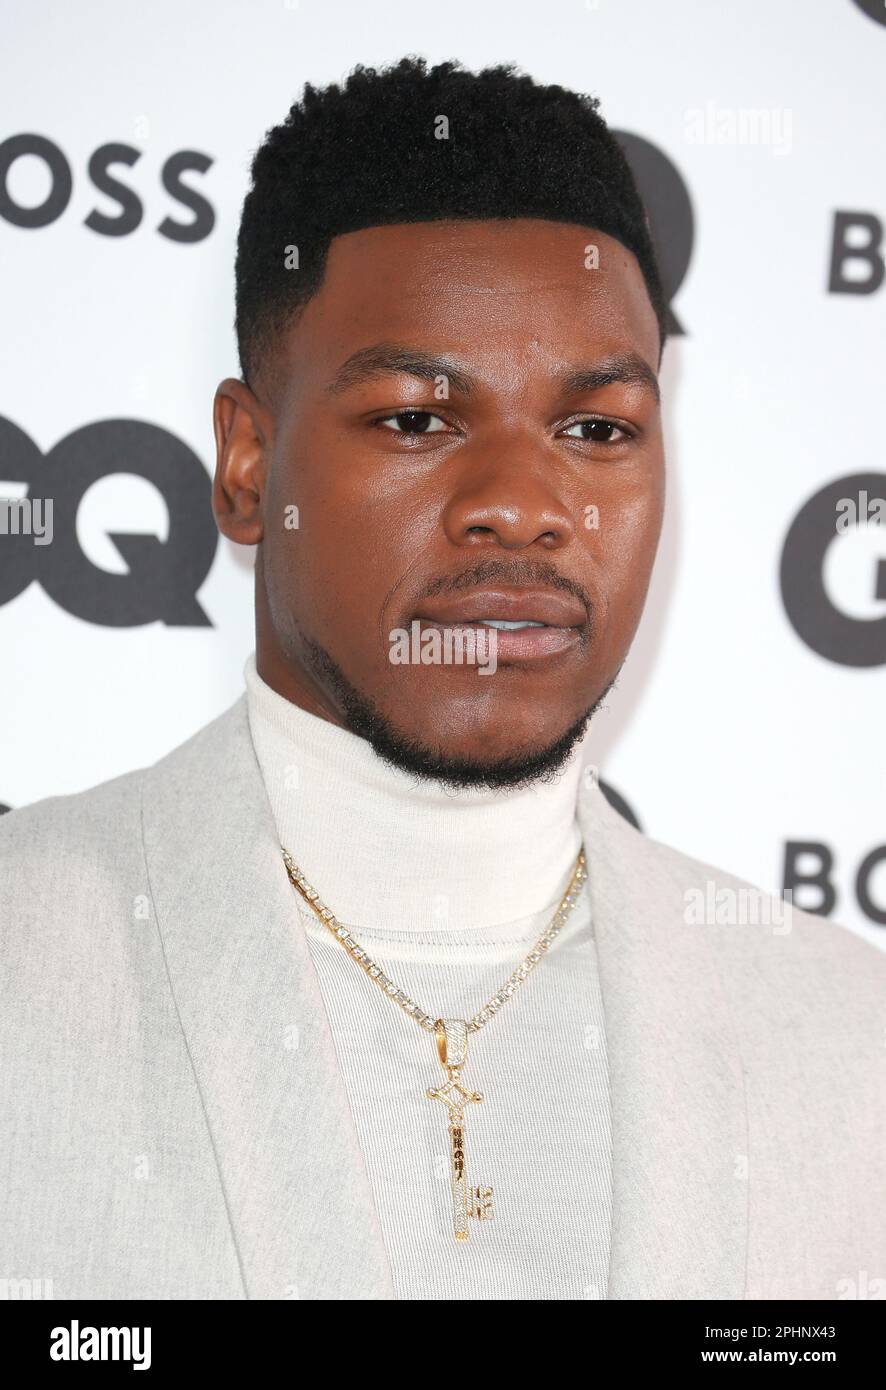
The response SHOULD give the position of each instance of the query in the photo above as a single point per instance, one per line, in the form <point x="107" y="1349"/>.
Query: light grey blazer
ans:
<point x="162" y="1137"/>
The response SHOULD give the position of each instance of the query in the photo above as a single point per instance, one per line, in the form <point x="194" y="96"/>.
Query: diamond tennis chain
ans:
<point x="451" y="1034"/>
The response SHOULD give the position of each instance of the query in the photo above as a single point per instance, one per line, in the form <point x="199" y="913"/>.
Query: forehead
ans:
<point x="526" y="286"/>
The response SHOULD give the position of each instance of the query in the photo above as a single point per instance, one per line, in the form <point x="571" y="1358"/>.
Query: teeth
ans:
<point x="507" y="627"/>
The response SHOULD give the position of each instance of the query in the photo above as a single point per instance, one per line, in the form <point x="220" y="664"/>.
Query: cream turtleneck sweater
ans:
<point x="447" y="891"/>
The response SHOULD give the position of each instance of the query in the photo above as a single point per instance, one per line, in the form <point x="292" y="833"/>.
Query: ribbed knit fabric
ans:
<point x="447" y="891"/>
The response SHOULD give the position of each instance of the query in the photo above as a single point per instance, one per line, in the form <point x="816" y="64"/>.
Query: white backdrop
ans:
<point x="729" y="735"/>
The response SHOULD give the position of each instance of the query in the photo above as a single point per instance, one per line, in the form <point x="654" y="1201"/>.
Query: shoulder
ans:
<point x="55" y="848"/>
<point x="62" y="849"/>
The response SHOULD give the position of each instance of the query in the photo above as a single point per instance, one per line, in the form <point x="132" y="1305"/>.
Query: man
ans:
<point x="230" y="1074"/>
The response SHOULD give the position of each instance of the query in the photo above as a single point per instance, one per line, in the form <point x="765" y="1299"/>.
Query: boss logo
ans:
<point x="161" y="576"/>
<point x="131" y="210"/>
<point x="856" y="254"/>
<point x="809" y="867"/>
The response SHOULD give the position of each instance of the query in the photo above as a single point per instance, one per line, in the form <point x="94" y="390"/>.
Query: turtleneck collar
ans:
<point x="388" y="850"/>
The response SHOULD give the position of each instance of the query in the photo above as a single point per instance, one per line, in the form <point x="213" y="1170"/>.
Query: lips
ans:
<point x="556" y="619"/>
<point x="547" y="606"/>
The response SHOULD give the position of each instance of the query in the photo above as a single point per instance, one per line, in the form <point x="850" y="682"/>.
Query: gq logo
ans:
<point x="836" y="635"/>
<point x="163" y="576"/>
<point x="874" y="9"/>
<point x="669" y="208"/>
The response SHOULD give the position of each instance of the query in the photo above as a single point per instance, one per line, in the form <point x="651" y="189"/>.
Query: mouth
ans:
<point x="528" y="624"/>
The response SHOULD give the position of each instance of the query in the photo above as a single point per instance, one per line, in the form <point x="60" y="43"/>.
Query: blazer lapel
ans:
<point x="679" y="1132"/>
<point x="300" y="1204"/>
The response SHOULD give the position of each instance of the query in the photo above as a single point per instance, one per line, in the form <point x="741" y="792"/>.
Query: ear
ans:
<point x="243" y="436"/>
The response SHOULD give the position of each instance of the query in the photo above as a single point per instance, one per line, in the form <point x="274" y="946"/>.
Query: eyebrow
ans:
<point x="385" y="359"/>
<point x="629" y="367"/>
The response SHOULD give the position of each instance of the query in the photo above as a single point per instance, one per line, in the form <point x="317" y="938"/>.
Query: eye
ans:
<point x="413" y="422"/>
<point x="596" y="431"/>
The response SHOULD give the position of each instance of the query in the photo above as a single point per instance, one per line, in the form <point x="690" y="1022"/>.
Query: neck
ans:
<point x="388" y="850"/>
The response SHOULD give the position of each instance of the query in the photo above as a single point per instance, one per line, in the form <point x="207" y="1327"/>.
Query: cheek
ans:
<point x="624" y="552"/>
<point x="334" y="574"/>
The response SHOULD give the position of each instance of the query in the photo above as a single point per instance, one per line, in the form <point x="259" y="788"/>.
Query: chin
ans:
<point x="500" y="742"/>
<point x="491" y="756"/>
<point x="472" y="738"/>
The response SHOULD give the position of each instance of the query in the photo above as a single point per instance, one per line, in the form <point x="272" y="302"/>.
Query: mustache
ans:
<point x="521" y="573"/>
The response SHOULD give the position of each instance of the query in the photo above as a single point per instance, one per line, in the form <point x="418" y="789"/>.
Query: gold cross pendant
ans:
<point x="452" y="1049"/>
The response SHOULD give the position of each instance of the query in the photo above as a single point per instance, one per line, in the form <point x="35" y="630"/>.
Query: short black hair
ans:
<point x="369" y="153"/>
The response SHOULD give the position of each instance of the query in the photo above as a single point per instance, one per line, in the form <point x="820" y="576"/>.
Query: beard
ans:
<point x="361" y="716"/>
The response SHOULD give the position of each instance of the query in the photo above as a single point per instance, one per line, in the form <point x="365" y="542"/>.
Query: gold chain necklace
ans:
<point x="451" y="1034"/>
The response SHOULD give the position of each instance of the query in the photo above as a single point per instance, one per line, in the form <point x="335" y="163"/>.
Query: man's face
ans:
<point x="465" y="415"/>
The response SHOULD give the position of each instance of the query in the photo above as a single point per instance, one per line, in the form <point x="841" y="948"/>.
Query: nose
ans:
<point x="511" y="498"/>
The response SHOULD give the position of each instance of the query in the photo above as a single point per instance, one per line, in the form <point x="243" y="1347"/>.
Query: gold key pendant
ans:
<point x="452" y="1048"/>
